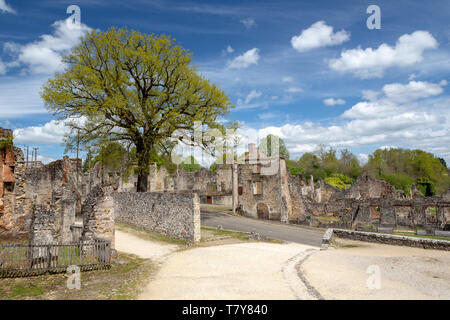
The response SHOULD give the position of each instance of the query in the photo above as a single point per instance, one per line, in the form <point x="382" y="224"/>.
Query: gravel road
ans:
<point x="405" y="272"/>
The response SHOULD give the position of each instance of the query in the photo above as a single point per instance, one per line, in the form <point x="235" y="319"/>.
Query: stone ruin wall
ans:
<point x="261" y="196"/>
<point x="29" y="193"/>
<point x="216" y="186"/>
<point x="367" y="204"/>
<point x="15" y="207"/>
<point x="56" y="187"/>
<point x="98" y="214"/>
<point x="176" y="215"/>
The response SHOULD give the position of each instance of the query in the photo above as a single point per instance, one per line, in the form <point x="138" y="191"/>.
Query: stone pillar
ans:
<point x="98" y="215"/>
<point x="43" y="226"/>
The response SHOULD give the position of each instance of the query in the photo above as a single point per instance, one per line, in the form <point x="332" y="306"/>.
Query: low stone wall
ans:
<point x="173" y="214"/>
<point x="384" y="239"/>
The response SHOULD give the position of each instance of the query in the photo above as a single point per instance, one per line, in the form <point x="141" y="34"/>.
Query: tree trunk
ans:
<point x="142" y="182"/>
<point x="143" y="155"/>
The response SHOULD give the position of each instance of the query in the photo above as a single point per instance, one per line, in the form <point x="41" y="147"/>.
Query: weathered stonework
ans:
<point x="384" y="239"/>
<point x="176" y="215"/>
<point x="367" y="205"/>
<point x="98" y="214"/>
<point x="15" y="206"/>
<point x="43" y="226"/>
<point x="65" y="204"/>
<point x="43" y="180"/>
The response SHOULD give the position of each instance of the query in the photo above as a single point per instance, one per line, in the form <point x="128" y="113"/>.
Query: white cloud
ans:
<point x="372" y="63"/>
<point x="44" y="56"/>
<point x="230" y="49"/>
<point x="413" y="90"/>
<point x="333" y="102"/>
<point x="363" y="158"/>
<point x="287" y="79"/>
<point x="45" y="159"/>
<point x="370" y="94"/>
<point x="252" y="95"/>
<point x="4" y="7"/>
<point x="50" y="133"/>
<point x="245" y="60"/>
<point x="294" y="90"/>
<point x="422" y="122"/>
<point x="318" y="35"/>
<point x="370" y="109"/>
<point x="248" y="22"/>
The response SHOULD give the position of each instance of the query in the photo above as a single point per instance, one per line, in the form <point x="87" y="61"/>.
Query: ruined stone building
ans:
<point x="29" y="191"/>
<point x="263" y="195"/>
<point x="277" y="195"/>
<point x="14" y="207"/>
<point x="212" y="188"/>
<point x="58" y="203"/>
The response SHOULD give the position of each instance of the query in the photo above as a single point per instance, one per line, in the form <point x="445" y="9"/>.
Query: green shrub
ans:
<point x="339" y="180"/>
<point x="399" y="181"/>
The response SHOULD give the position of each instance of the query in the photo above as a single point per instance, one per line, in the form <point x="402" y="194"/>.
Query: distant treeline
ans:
<point x="400" y="167"/>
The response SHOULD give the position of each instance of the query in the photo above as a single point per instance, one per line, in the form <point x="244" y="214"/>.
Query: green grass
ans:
<point x="237" y="235"/>
<point x="344" y="245"/>
<point x="410" y="234"/>
<point x="149" y="235"/>
<point x="349" y="246"/>
<point x="226" y="233"/>
<point x="328" y="218"/>
<point x="21" y="292"/>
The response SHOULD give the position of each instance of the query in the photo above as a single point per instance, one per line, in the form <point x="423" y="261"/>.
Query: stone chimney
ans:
<point x="252" y="153"/>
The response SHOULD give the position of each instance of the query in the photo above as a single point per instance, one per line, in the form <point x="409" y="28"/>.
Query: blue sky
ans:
<point x="308" y="71"/>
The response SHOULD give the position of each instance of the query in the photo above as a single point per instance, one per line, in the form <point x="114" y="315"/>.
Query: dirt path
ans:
<point x="405" y="272"/>
<point x="253" y="270"/>
<point x="126" y="242"/>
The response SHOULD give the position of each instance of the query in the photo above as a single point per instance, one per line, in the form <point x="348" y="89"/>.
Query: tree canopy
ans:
<point x="402" y="168"/>
<point x="122" y="85"/>
<point x="324" y="163"/>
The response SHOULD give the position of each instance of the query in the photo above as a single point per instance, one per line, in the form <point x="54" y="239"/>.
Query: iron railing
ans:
<point x="19" y="259"/>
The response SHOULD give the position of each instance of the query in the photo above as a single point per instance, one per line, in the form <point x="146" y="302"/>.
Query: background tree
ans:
<point x="122" y="85"/>
<point x="324" y="164"/>
<point x="402" y="168"/>
<point x="349" y="164"/>
<point x="265" y="146"/>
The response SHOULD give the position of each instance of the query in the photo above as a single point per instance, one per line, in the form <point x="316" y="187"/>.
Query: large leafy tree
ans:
<point x="124" y="86"/>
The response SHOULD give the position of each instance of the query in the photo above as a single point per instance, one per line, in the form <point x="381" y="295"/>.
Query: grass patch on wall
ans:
<point x="410" y="234"/>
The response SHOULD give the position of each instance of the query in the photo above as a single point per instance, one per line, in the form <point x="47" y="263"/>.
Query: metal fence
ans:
<point x="20" y="260"/>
